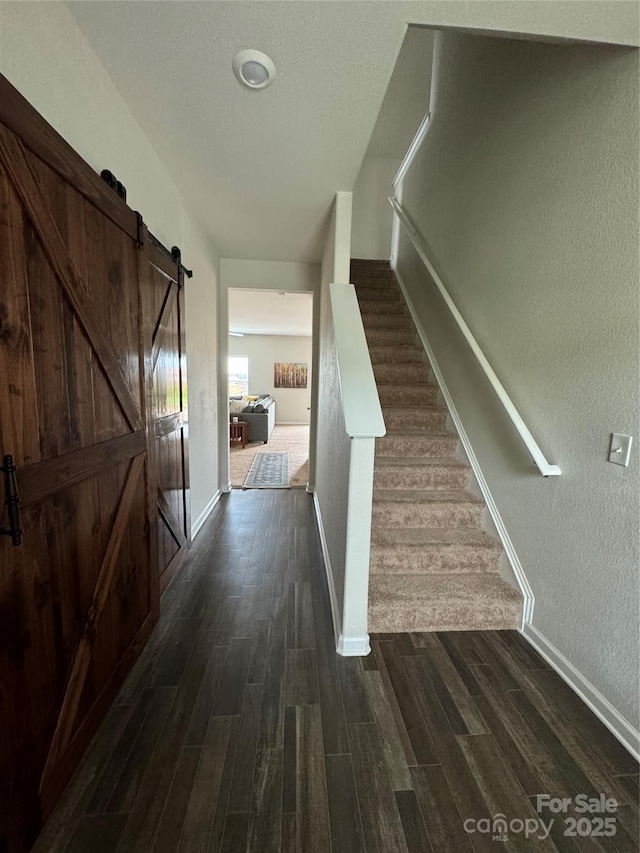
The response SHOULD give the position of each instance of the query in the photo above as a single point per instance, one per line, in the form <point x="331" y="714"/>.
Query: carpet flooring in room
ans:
<point x="294" y="438"/>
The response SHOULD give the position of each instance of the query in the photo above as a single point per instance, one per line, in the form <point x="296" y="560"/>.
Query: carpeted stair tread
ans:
<point x="438" y="602"/>
<point x="420" y="496"/>
<point x="421" y="538"/>
<point x="390" y="337"/>
<point x="418" y="462"/>
<point x="397" y="355"/>
<point x="431" y="444"/>
<point x="386" y="321"/>
<point x="410" y="396"/>
<point x="380" y="306"/>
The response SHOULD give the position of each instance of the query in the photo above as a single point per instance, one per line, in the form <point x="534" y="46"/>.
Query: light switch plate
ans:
<point x="620" y="449"/>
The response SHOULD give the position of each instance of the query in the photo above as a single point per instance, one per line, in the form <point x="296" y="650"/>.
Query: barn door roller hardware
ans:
<point x="110" y="179"/>
<point x="12" y="501"/>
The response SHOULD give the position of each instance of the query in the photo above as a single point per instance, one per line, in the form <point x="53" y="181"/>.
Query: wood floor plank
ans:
<point x="99" y="833"/>
<point x="466" y="793"/>
<point x="176" y="653"/>
<point x="245" y="757"/>
<point x="391" y="744"/>
<point x="289" y="775"/>
<point x="608" y="748"/>
<point x="258" y="665"/>
<point x="450" y="680"/>
<point x="393" y="704"/>
<point x="170" y="828"/>
<point x="344" y="811"/>
<point x="499" y="787"/>
<point x="113" y="769"/>
<point x="204" y="702"/>
<point x="301" y="678"/>
<point x="334" y="725"/>
<point x="381" y="823"/>
<point x="236" y="830"/>
<point x="415" y="831"/>
<point x="461" y="664"/>
<point x="198" y="820"/>
<point x="421" y="742"/>
<point x="229" y="693"/>
<point x="438" y="807"/>
<point x="303" y="616"/>
<point x="354" y="694"/>
<point x="271" y="730"/>
<point x="265" y="824"/>
<point x="222" y="803"/>
<point x="312" y="808"/>
<point x="130" y="780"/>
<point x="289" y="832"/>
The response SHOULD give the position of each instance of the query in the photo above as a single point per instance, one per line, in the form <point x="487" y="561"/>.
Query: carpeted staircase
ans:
<point x="433" y="567"/>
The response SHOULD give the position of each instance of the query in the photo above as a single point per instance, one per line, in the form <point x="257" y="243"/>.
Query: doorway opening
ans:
<point x="269" y="383"/>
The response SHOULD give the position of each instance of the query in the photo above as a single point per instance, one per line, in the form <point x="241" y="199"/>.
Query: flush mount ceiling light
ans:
<point x="254" y="69"/>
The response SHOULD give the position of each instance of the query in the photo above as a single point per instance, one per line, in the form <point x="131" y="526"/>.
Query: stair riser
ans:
<point x="425" y="560"/>
<point x="368" y="306"/>
<point x="361" y="274"/>
<point x="414" y="419"/>
<point x="390" y="337"/>
<point x="419" y="445"/>
<point x="410" y="395"/>
<point x="396" y="355"/>
<point x="402" y="514"/>
<point x="388" y="374"/>
<point x="371" y="295"/>
<point x="427" y="477"/>
<point x="474" y="617"/>
<point x="386" y="321"/>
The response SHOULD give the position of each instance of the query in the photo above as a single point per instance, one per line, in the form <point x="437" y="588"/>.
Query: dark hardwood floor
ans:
<point x="240" y="729"/>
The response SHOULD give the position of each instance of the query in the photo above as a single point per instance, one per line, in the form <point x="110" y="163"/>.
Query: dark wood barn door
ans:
<point x="167" y="404"/>
<point x="79" y="596"/>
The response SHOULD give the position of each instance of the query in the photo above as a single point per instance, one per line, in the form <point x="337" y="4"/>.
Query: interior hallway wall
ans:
<point x="372" y="214"/>
<point x="45" y="56"/>
<point x="526" y="194"/>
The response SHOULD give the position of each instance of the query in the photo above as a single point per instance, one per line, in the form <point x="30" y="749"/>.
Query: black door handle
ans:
<point x="12" y="501"/>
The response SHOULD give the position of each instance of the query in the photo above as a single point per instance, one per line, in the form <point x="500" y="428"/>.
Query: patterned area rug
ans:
<point x="268" y="471"/>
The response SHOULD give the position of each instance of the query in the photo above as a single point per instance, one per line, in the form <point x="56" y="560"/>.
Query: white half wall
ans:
<point x="292" y="404"/>
<point x="45" y="56"/>
<point x="525" y="192"/>
<point x="372" y="215"/>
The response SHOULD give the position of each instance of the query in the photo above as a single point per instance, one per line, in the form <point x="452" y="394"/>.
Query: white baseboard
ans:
<point x="345" y="646"/>
<point x="353" y="646"/>
<point x="590" y="695"/>
<point x="204" y="515"/>
<point x="505" y="539"/>
<point x="335" y="613"/>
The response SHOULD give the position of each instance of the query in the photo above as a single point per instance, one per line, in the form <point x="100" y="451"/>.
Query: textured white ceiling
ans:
<point x="264" y="312"/>
<point x="259" y="169"/>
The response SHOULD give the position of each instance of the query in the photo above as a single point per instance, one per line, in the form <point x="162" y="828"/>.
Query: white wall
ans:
<point x="292" y="404"/>
<point x="372" y="214"/>
<point x="526" y="194"/>
<point x="45" y="56"/>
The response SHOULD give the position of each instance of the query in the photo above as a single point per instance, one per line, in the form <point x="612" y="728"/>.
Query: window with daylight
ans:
<point x="238" y="375"/>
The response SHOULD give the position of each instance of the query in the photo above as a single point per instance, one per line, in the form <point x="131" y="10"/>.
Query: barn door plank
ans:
<point x="82" y="656"/>
<point x="19" y="422"/>
<point x="164" y="321"/>
<point x="170" y="519"/>
<point x="15" y="162"/>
